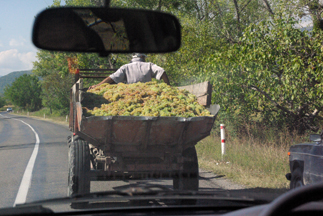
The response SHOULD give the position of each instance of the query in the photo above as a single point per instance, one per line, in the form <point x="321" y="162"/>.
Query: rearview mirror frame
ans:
<point x="68" y="29"/>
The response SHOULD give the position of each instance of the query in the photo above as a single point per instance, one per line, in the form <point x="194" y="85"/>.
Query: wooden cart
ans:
<point x="132" y="147"/>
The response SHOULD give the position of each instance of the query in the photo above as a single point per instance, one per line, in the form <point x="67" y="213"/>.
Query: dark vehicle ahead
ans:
<point x="305" y="162"/>
<point x="9" y="109"/>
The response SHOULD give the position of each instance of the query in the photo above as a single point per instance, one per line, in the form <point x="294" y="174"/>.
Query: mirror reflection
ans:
<point x="106" y="30"/>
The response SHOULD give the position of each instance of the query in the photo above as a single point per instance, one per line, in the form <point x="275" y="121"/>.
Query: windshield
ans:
<point x="77" y="123"/>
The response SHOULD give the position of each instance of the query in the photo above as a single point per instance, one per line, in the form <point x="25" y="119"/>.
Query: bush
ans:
<point x="25" y="92"/>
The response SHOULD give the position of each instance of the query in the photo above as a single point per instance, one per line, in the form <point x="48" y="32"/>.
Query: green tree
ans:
<point x="2" y="101"/>
<point x="25" y="92"/>
<point x="273" y="72"/>
<point x="55" y="94"/>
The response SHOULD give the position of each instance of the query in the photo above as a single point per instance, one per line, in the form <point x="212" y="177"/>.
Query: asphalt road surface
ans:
<point x="34" y="154"/>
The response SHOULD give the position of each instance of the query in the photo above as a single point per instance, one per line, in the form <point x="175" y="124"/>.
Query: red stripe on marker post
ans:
<point x="222" y="126"/>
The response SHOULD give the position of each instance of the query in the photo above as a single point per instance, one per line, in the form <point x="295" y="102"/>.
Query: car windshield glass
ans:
<point x="228" y="117"/>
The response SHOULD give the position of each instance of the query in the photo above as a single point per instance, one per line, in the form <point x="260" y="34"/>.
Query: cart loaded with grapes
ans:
<point x="136" y="131"/>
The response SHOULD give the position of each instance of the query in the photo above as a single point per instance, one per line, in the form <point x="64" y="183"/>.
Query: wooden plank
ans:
<point x="80" y="82"/>
<point x="71" y="116"/>
<point x="98" y="69"/>
<point x="94" y="77"/>
<point x="79" y="114"/>
<point x="203" y="92"/>
<point x="95" y="73"/>
<point x="198" y="90"/>
<point x="203" y="100"/>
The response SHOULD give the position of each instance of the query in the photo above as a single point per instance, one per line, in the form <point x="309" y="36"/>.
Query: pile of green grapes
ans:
<point x="142" y="99"/>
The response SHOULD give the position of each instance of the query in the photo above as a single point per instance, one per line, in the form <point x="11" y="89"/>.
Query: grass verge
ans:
<point x="44" y="114"/>
<point x="252" y="162"/>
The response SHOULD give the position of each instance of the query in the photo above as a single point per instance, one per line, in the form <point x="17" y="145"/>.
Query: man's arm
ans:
<point x="165" y="78"/>
<point x="106" y="80"/>
<point x="156" y="71"/>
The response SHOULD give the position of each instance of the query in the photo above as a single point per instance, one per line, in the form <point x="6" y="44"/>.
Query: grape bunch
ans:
<point x="141" y="99"/>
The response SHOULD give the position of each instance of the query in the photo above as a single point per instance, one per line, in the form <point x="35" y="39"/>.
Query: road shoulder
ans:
<point x="218" y="181"/>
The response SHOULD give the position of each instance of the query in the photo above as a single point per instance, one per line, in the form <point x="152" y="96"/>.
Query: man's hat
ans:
<point x="138" y="55"/>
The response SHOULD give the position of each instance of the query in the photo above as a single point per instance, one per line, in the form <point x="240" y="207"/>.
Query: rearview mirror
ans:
<point x="106" y="30"/>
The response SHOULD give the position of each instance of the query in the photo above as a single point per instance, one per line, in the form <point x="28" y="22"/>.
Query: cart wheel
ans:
<point x="297" y="179"/>
<point x="189" y="179"/>
<point x="79" y="168"/>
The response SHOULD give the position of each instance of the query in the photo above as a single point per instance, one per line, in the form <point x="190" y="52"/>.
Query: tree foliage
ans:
<point x="273" y="71"/>
<point x="56" y="90"/>
<point x="2" y="102"/>
<point x="25" y="92"/>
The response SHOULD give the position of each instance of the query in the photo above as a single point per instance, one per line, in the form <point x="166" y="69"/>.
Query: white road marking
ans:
<point x="26" y="179"/>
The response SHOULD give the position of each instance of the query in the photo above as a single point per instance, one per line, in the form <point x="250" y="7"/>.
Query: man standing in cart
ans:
<point x="138" y="70"/>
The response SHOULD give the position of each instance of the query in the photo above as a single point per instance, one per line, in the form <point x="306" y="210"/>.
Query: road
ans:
<point x="17" y="142"/>
<point x="46" y="163"/>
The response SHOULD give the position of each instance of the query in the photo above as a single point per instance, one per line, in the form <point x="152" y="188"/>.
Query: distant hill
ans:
<point x="9" y="78"/>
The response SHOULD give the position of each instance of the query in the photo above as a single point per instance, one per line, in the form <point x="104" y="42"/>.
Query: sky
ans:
<point x="16" y="20"/>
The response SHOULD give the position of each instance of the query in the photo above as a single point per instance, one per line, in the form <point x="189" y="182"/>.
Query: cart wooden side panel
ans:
<point x="146" y="131"/>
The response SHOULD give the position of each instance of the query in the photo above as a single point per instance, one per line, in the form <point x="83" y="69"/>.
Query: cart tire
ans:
<point x="79" y="168"/>
<point x="297" y="179"/>
<point x="189" y="179"/>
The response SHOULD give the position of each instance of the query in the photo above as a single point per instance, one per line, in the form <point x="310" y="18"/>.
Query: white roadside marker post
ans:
<point x="66" y="118"/>
<point x="44" y="115"/>
<point x="222" y="126"/>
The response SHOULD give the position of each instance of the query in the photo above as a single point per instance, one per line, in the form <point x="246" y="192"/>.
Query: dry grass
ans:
<point x="40" y="115"/>
<point x="253" y="162"/>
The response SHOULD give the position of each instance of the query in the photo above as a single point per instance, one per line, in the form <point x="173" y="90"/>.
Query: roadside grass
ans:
<point x="253" y="162"/>
<point x="44" y="114"/>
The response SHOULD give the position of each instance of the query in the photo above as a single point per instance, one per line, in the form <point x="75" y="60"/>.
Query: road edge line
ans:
<point x="26" y="179"/>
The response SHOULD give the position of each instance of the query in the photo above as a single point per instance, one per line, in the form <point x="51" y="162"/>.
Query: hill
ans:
<point x="9" y="78"/>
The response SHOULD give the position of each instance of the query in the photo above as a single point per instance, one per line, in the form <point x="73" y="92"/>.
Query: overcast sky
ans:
<point x="16" y="20"/>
